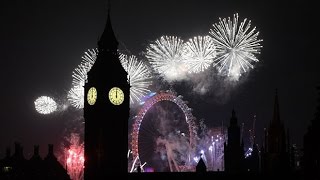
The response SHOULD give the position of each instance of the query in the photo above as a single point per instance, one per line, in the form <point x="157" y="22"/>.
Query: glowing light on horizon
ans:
<point x="139" y="77"/>
<point x="199" y="53"/>
<point x="45" y="105"/>
<point x="166" y="57"/>
<point x="236" y="46"/>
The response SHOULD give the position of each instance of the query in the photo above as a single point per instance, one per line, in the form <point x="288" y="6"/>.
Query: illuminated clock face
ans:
<point x="116" y="96"/>
<point x="92" y="96"/>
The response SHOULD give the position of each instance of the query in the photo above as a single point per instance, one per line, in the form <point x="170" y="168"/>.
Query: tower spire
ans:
<point x="109" y="7"/>
<point x="276" y="113"/>
<point x="108" y="40"/>
<point x="233" y="119"/>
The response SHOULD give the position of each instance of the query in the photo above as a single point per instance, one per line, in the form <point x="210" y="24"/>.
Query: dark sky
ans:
<point x="41" y="42"/>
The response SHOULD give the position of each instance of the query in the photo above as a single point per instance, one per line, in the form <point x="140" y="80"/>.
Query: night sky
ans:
<point x="41" y="42"/>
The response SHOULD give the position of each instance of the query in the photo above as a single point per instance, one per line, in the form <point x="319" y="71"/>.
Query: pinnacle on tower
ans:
<point x="233" y="119"/>
<point x="108" y="40"/>
<point x="276" y="113"/>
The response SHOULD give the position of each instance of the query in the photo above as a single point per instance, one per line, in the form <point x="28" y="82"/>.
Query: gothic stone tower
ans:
<point x="233" y="151"/>
<point x="276" y="157"/>
<point x="106" y="112"/>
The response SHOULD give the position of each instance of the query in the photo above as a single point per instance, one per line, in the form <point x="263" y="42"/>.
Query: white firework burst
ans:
<point x="45" y="105"/>
<point x="165" y="56"/>
<point x="139" y="77"/>
<point x="236" y="45"/>
<point x="199" y="53"/>
<point x="80" y="73"/>
<point x="76" y="94"/>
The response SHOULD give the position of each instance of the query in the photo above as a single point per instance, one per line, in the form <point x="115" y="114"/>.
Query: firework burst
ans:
<point x="199" y="53"/>
<point x="80" y="73"/>
<point x="166" y="57"/>
<point x="139" y="77"/>
<point x="76" y="94"/>
<point x="75" y="157"/>
<point x="45" y="105"/>
<point x="236" y="46"/>
<point x="76" y="97"/>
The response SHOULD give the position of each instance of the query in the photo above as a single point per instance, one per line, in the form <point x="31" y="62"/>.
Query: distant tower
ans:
<point x="106" y="112"/>
<point x="233" y="151"/>
<point x="276" y="151"/>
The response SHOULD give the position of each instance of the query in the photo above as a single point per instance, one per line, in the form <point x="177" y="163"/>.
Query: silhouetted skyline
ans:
<point x="42" y="42"/>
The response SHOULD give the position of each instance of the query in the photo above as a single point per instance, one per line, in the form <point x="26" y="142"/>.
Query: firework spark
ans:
<point x="79" y="75"/>
<point x="139" y="77"/>
<point x="75" y="157"/>
<point x="236" y="46"/>
<point x="45" y="105"/>
<point x="199" y="53"/>
<point x="76" y="97"/>
<point x="165" y="56"/>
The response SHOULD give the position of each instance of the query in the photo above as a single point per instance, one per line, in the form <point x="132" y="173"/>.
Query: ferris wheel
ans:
<point x="183" y="132"/>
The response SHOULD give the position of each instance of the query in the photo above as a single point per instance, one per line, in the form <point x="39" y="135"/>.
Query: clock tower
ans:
<point x="106" y="112"/>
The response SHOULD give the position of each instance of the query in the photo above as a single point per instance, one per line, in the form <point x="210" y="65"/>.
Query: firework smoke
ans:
<point x="169" y="133"/>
